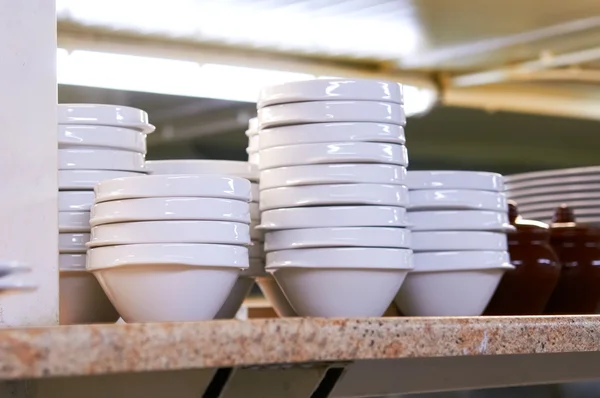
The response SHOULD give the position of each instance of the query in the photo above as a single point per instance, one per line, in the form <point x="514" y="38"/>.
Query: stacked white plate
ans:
<point x="253" y="142"/>
<point x="237" y="169"/>
<point x="332" y="166"/>
<point x="459" y="221"/>
<point x="169" y="247"/>
<point x="538" y="194"/>
<point x="95" y="143"/>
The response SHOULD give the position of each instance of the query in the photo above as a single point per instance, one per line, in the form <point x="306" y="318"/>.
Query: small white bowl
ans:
<point x="334" y="216"/>
<point x="253" y="144"/>
<point x="255" y="192"/>
<point x="87" y="179"/>
<point x="73" y="221"/>
<point x="257" y="250"/>
<point x="459" y="260"/>
<point x="104" y="115"/>
<point x="72" y="262"/>
<point x="254" y="211"/>
<point x="338" y="237"/>
<point x="273" y="293"/>
<point x="331" y="132"/>
<point x="343" y="173"/>
<point x="154" y="209"/>
<point x="444" y="179"/>
<point x="459" y="220"/>
<point x="73" y="242"/>
<point x="214" y="232"/>
<point x="108" y="137"/>
<point x="339" y="152"/>
<point x="75" y="200"/>
<point x="205" y="185"/>
<point x="338" y="194"/>
<point x="236" y="297"/>
<point x="457" y="199"/>
<point x="343" y="89"/>
<point x="324" y="282"/>
<point x="254" y="159"/>
<point x="331" y="111"/>
<point x="167" y="283"/>
<point x="203" y="166"/>
<point x="100" y="159"/>
<point x="423" y="241"/>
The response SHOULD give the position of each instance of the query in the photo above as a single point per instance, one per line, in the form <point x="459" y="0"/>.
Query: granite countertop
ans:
<point x="100" y="349"/>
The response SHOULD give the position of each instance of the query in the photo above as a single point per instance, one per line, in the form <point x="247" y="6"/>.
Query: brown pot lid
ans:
<point x="522" y="225"/>
<point x="564" y="223"/>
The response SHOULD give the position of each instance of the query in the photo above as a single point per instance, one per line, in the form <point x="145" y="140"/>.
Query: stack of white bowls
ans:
<point x="540" y="193"/>
<point x="169" y="247"/>
<point x="459" y="221"/>
<point x="228" y="168"/>
<point x="253" y="142"/>
<point x="332" y="169"/>
<point x="95" y="143"/>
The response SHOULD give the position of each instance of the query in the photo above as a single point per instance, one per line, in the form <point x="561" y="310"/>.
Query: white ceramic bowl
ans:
<point x="457" y="199"/>
<point x="340" y="152"/>
<point x="73" y="242"/>
<point x="87" y="179"/>
<point x="100" y="159"/>
<point x="75" y="200"/>
<point x="206" y="185"/>
<point x="331" y="132"/>
<point x="108" y="137"/>
<point x="216" y="232"/>
<point x="273" y="293"/>
<point x="153" y="209"/>
<point x="167" y="283"/>
<point x="203" y="166"/>
<point x="253" y="144"/>
<point x="556" y="200"/>
<point x="331" y="111"/>
<point x="459" y="260"/>
<point x="334" y="216"/>
<point x="330" y="89"/>
<point x="458" y="240"/>
<point x="104" y="115"/>
<point x="236" y="297"/>
<point x="548" y="183"/>
<point x="254" y="211"/>
<point x="73" y="221"/>
<point x="335" y="194"/>
<point x="337" y="237"/>
<point x="550" y="174"/>
<point x="72" y="261"/>
<point x="343" y="173"/>
<point x="255" y="192"/>
<point x="323" y="282"/>
<point x="459" y="220"/>
<point x="553" y="190"/>
<point x="252" y="126"/>
<point x="254" y="159"/>
<point x="445" y="179"/>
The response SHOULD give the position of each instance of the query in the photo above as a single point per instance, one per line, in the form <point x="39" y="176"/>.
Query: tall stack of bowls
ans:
<point x="253" y="142"/>
<point x="169" y="247"/>
<point x="95" y="143"/>
<point x="332" y="169"/>
<point x="459" y="221"/>
<point x="230" y="168"/>
<point x="538" y="194"/>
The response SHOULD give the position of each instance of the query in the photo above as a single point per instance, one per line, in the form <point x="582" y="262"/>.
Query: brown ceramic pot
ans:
<point x="526" y="289"/>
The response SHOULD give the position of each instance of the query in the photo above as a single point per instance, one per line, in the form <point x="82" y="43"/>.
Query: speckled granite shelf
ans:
<point x="100" y="349"/>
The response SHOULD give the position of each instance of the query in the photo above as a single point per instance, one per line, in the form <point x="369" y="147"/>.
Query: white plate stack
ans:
<point x="459" y="221"/>
<point x="95" y="143"/>
<point x="332" y="168"/>
<point x="169" y="247"/>
<point x="253" y="142"/>
<point x="229" y="168"/>
<point x="538" y="194"/>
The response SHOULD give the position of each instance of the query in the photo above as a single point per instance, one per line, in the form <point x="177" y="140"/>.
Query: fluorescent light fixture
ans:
<point x="187" y="78"/>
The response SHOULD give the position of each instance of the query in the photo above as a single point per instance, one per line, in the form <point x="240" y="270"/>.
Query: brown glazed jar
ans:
<point x="578" y="249"/>
<point x="526" y="289"/>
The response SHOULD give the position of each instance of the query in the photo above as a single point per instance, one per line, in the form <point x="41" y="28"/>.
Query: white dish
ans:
<point x="331" y="132"/>
<point x="539" y="175"/>
<point x="100" y="159"/>
<point x="334" y="216"/>
<point x="342" y="152"/>
<point x="252" y="126"/>
<point x="366" y="173"/>
<point x="330" y="89"/>
<point x="207" y="185"/>
<point x="445" y="179"/>
<point x="82" y="300"/>
<point x="236" y="297"/>
<point x="556" y="200"/>
<point x="457" y="199"/>
<point x="553" y="182"/>
<point x="253" y="144"/>
<point x="76" y="136"/>
<point x="256" y="268"/>
<point x="104" y="115"/>
<point x="254" y="211"/>
<point x="459" y="220"/>
<point x="72" y="262"/>
<point x="273" y="293"/>
<point x="203" y="166"/>
<point x="458" y="240"/>
<point x="73" y="221"/>
<point x="553" y="190"/>
<point x="254" y="159"/>
<point x="338" y="237"/>
<point x="459" y="260"/>
<point x="257" y="250"/>
<point x="87" y="179"/>
<point x="75" y="200"/>
<point x="73" y="242"/>
<point x="335" y="194"/>
<point x="331" y="111"/>
<point x="163" y="208"/>
<point x="214" y="232"/>
<point x="256" y="235"/>
<point x="255" y="192"/>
